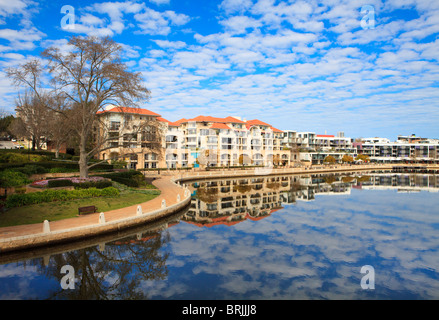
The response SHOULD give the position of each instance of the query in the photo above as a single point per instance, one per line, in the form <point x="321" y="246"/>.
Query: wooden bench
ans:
<point x="89" y="209"/>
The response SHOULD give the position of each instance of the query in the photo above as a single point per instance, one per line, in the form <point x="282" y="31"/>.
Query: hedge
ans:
<point x="10" y="178"/>
<point x="55" y="164"/>
<point x="93" y="184"/>
<point x="18" y="200"/>
<point x="55" y="183"/>
<point x="130" y="178"/>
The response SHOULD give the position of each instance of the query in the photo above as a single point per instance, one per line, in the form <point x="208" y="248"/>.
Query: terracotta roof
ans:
<point x="325" y="136"/>
<point x="212" y="119"/>
<point x="178" y="122"/>
<point x="275" y="129"/>
<point x="130" y="110"/>
<point x="257" y="122"/>
<point x="218" y="125"/>
<point x="163" y="120"/>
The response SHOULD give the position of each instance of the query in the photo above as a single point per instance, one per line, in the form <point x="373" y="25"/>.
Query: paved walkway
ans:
<point x="169" y="192"/>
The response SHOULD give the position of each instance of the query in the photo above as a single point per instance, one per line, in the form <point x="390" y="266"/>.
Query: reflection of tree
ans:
<point x="242" y="188"/>
<point x="207" y="195"/>
<point x="115" y="273"/>
<point x="363" y="179"/>
<point x="347" y="179"/>
<point x="330" y="179"/>
<point x="296" y="186"/>
<point x="273" y="185"/>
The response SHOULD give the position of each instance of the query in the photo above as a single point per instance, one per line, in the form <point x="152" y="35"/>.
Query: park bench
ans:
<point x="89" y="209"/>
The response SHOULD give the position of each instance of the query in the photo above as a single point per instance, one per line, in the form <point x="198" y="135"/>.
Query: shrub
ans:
<point x="93" y="184"/>
<point x="62" y="170"/>
<point x="20" y="190"/>
<point x="11" y="178"/>
<point x="18" y="200"/>
<point x="59" y="183"/>
<point x="130" y="178"/>
<point x="31" y="169"/>
<point x="49" y="165"/>
<point x="15" y="157"/>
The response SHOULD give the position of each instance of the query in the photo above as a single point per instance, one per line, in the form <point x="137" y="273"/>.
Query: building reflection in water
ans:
<point x="148" y="262"/>
<point x="231" y="201"/>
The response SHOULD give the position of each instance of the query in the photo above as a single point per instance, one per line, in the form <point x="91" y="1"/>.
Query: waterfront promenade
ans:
<point x="173" y="198"/>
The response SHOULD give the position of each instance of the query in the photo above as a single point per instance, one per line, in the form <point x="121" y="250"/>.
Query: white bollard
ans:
<point x="139" y="210"/>
<point x="101" y="217"/>
<point x="46" y="226"/>
<point x="163" y="203"/>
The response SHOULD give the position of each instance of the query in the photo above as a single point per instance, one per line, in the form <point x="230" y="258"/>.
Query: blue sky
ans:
<point x="316" y="66"/>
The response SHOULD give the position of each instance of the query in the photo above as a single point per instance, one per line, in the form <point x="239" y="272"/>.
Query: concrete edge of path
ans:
<point x="37" y="235"/>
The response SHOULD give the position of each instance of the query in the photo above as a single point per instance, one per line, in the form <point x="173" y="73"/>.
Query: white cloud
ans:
<point x="170" y="44"/>
<point x="159" y="23"/>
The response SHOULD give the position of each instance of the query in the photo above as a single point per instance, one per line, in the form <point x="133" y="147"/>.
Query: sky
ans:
<point x="366" y="68"/>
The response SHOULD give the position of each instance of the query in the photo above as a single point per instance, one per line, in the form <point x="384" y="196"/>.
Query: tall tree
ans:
<point x="32" y="118"/>
<point x="90" y="76"/>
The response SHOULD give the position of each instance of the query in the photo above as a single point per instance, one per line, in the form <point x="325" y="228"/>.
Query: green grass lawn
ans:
<point x="53" y="211"/>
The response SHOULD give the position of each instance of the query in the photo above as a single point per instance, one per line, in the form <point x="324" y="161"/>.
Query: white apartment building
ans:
<point x="203" y="141"/>
<point x="404" y="149"/>
<point x="210" y="141"/>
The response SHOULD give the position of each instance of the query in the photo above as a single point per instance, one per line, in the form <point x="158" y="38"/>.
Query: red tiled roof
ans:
<point x="130" y="110"/>
<point x="178" y="122"/>
<point x="276" y="130"/>
<point x="218" y="125"/>
<point x="257" y="122"/>
<point x="163" y="120"/>
<point x="213" y="119"/>
<point x="325" y="136"/>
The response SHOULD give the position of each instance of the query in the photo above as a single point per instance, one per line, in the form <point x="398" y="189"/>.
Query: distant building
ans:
<point x="406" y="148"/>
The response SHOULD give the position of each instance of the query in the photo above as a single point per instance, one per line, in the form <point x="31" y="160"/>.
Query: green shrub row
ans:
<point x="11" y="178"/>
<point x="56" y="183"/>
<point x="14" y="158"/>
<point x="51" y="165"/>
<point x="93" y="184"/>
<point x="129" y="178"/>
<point x="18" y="200"/>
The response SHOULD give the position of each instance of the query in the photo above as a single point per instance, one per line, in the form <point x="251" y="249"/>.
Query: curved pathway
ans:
<point x="32" y="235"/>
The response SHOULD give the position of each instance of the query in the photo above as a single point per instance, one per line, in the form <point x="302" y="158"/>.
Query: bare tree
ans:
<point x="90" y="77"/>
<point x="60" y="125"/>
<point x="32" y="119"/>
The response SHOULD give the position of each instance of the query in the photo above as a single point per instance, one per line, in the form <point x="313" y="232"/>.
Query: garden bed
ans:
<point x="66" y="181"/>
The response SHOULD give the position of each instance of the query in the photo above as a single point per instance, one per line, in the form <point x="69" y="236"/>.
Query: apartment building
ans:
<point x="211" y="141"/>
<point x="312" y="148"/>
<point x="404" y="149"/>
<point x="144" y="139"/>
<point x="133" y="135"/>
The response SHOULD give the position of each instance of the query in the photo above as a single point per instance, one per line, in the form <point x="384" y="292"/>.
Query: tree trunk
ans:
<point x="83" y="168"/>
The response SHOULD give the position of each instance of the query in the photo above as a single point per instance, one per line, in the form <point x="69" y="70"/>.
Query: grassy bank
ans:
<point x="53" y="211"/>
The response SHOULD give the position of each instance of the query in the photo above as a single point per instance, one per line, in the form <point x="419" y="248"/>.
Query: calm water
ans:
<point x="267" y="238"/>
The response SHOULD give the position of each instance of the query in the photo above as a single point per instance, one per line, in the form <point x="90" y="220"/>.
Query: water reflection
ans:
<point x="106" y="268"/>
<point x="230" y="201"/>
<point x="273" y="237"/>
